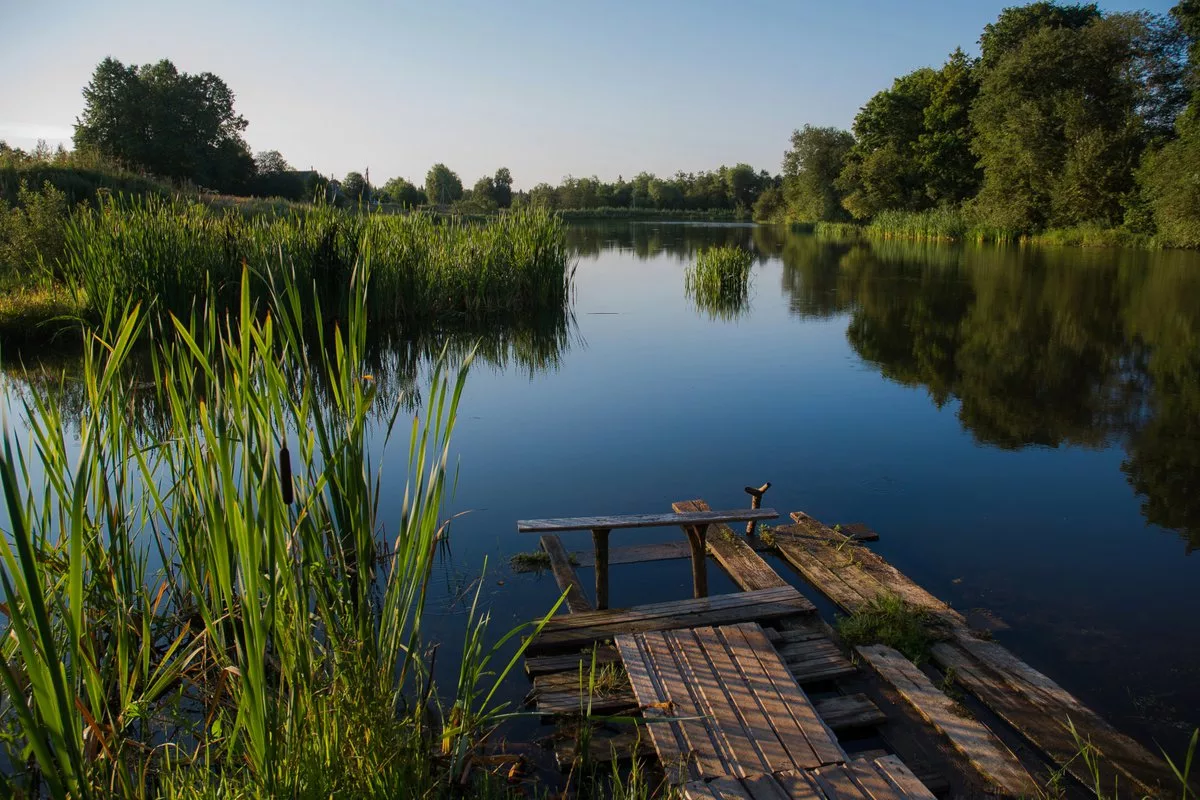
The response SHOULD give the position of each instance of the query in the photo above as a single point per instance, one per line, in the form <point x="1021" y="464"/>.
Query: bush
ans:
<point x="32" y="234"/>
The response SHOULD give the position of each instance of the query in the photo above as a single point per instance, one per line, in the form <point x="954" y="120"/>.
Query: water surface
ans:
<point x="1021" y="426"/>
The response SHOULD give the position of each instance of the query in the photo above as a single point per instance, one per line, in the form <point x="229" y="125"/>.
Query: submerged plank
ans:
<point x="849" y="711"/>
<point x="979" y="745"/>
<point x="559" y="524"/>
<point x="638" y="553"/>
<point x="564" y="575"/>
<point x="538" y="665"/>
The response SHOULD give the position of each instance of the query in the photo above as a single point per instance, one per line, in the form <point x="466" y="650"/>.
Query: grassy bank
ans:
<point x="221" y="610"/>
<point x="953" y="225"/>
<point x="168" y="253"/>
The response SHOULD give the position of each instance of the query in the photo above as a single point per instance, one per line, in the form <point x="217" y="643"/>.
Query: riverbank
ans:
<point x="952" y="226"/>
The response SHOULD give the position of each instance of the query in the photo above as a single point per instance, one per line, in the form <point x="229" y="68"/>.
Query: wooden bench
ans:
<point x="695" y="525"/>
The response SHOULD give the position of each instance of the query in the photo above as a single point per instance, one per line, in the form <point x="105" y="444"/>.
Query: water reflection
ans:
<point x="1039" y="347"/>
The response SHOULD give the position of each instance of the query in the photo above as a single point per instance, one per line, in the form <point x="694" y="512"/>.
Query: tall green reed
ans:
<point x="219" y="603"/>
<point x="718" y="281"/>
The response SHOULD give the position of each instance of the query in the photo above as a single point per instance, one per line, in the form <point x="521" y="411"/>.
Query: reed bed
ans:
<point x="217" y="608"/>
<point x="719" y="281"/>
<point x="426" y="271"/>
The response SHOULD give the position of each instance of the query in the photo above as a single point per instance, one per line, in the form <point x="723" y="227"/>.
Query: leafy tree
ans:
<point x="355" y="187"/>
<point x="770" y="205"/>
<point x="403" y="193"/>
<point x="484" y="193"/>
<point x="543" y="196"/>
<point x="269" y="162"/>
<point x="502" y="187"/>
<point x="810" y="170"/>
<point x="950" y="171"/>
<point x="442" y="185"/>
<point x="1057" y="127"/>
<point x="167" y="122"/>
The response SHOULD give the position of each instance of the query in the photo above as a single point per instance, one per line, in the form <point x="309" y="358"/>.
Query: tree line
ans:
<point x="1069" y="116"/>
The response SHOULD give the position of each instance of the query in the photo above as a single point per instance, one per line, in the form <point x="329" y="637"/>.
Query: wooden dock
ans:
<point x="754" y="695"/>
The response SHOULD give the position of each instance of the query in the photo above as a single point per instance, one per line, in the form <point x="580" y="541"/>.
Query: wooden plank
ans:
<point x="705" y="745"/>
<point x="637" y="553"/>
<point x="813" y="672"/>
<point x="1047" y="723"/>
<point x="764" y="787"/>
<point x="985" y="752"/>
<point x="799" y="785"/>
<point x="849" y="711"/>
<point x="837" y="783"/>
<point x="734" y="554"/>
<point x="566" y="693"/>
<point x="564" y="575"/>
<point x="579" y="630"/>
<point x="539" y="665"/>
<point x="559" y="524"/>
<point x="667" y="738"/>
<point x="604" y="747"/>
<point x="820" y="737"/>
<point x="739" y="752"/>
<point x="814" y="659"/>
<point x="902" y="778"/>
<point x="740" y="713"/>
<point x="720" y="789"/>
<point x="871" y="782"/>
<point x="1023" y="696"/>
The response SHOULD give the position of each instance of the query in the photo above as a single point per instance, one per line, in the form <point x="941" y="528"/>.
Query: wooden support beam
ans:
<point x="564" y="574"/>
<point x="696" y="538"/>
<point x="600" y="541"/>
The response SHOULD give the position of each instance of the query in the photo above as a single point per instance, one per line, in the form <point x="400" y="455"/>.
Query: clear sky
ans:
<point x="545" y="88"/>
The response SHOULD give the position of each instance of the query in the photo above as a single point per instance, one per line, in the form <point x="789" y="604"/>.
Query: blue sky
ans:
<point x="545" y="88"/>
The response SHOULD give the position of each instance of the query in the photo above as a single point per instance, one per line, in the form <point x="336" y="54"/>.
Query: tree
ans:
<point x="442" y="186"/>
<point x="484" y="191"/>
<point x="167" y="122"/>
<point x="1058" y="132"/>
<point x="502" y="187"/>
<point x="270" y="162"/>
<point x="403" y="193"/>
<point x="810" y="170"/>
<point x="355" y="187"/>
<point x="743" y="184"/>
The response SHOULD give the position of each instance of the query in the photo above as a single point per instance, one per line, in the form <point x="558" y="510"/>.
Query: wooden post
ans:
<point x="696" y="538"/>
<point x="600" y="540"/>
<point x="755" y="502"/>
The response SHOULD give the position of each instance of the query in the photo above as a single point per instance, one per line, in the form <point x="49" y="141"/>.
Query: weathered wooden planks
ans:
<point x="884" y="778"/>
<point x="567" y="692"/>
<point x="979" y="745"/>
<point x="579" y="630"/>
<point x="1027" y="699"/>
<point x="736" y="556"/>
<point x="739" y="712"/>
<point x="849" y="711"/>
<point x="559" y="524"/>
<point x="538" y="665"/>
<point x="564" y="574"/>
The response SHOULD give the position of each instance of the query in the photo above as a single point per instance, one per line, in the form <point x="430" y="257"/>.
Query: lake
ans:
<point x="1021" y="426"/>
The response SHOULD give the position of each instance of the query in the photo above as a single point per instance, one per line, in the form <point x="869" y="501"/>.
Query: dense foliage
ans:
<point x="1070" y="118"/>
<point x="735" y="189"/>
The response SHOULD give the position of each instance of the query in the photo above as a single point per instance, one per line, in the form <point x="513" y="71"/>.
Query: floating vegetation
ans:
<point x="719" y="281"/>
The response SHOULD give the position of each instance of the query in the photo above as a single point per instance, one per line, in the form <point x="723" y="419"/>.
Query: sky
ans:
<point x="547" y="89"/>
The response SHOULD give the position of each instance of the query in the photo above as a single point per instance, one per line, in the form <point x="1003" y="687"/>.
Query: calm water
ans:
<point x="1022" y="427"/>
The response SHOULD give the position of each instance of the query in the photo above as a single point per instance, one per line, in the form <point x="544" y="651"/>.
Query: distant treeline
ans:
<point x="1069" y="118"/>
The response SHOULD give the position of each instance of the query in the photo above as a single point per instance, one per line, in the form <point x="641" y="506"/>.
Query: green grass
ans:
<point x="718" y="282"/>
<point x="181" y="619"/>
<point x="425" y="272"/>
<point x="891" y="621"/>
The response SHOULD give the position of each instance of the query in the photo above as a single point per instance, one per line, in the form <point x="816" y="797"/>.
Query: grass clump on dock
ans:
<point x="719" y="281"/>
<point x="890" y="620"/>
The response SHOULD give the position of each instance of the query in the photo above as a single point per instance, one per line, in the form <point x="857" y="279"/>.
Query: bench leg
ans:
<point x="600" y="541"/>
<point x="696" y="538"/>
